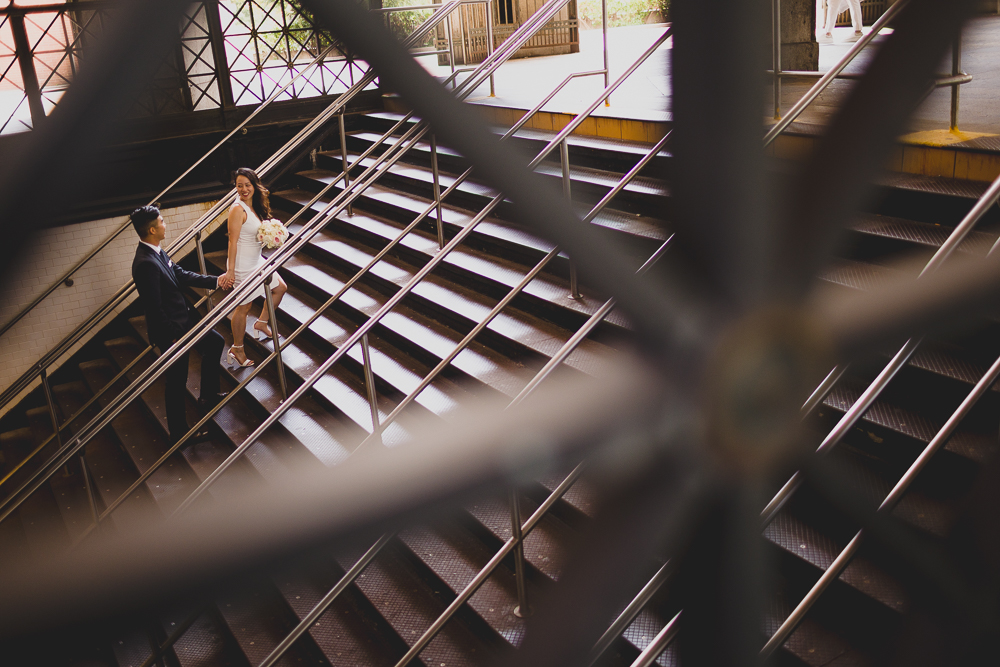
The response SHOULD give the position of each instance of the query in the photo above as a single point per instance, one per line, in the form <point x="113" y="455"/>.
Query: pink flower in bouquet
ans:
<point x="272" y="234"/>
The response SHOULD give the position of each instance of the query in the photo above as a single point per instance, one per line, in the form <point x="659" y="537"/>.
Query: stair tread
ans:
<point x="810" y="642"/>
<point x="456" y="557"/>
<point x="328" y="436"/>
<point x="543" y="546"/>
<point x="346" y="638"/>
<point x="204" y="456"/>
<point x="940" y="360"/>
<point x="933" y="184"/>
<point x="578" y="175"/>
<point x="409" y="605"/>
<point x="203" y="644"/>
<point x="634" y="224"/>
<point x="477" y="360"/>
<point x="41" y="521"/>
<point x="920" y="233"/>
<point x="258" y="620"/>
<point x="643" y="629"/>
<point x="802" y="541"/>
<point x="635" y="147"/>
<point x="524" y="329"/>
<point x="110" y="467"/>
<point x="144" y="441"/>
<point x="974" y="446"/>
<point x="389" y="364"/>
<point x="512" y="323"/>
<point x="277" y="454"/>
<point x="471" y="262"/>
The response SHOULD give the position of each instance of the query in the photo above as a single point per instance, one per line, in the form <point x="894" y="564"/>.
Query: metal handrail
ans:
<point x="192" y="232"/>
<point x="887" y="505"/>
<point x="514" y="45"/>
<point x="124" y="291"/>
<point x="827" y="78"/>
<point x="119" y="297"/>
<point x="276" y="259"/>
<point x="630" y="612"/>
<point x="491" y="565"/>
<point x="567" y="348"/>
<point x="396" y="298"/>
<point x="515" y="291"/>
<point x="659" y="644"/>
<point x="111" y="237"/>
<point x="868" y="397"/>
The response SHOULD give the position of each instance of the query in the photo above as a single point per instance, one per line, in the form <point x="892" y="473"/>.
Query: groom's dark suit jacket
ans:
<point x="159" y="281"/>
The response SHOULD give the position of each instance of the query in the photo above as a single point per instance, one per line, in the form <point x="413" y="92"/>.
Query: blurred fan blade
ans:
<point x="837" y="177"/>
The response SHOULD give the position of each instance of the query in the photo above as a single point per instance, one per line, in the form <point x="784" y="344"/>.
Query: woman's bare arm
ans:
<point x="236" y="219"/>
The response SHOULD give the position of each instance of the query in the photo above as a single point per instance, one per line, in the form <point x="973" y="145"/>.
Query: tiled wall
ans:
<point x="46" y="259"/>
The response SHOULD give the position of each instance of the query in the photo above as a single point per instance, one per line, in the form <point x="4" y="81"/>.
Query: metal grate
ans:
<point x="268" y="42"/>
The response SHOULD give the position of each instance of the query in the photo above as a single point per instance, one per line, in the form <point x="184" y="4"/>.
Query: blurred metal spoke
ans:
<point x="719" y="194"/>
<point x="838" y="175"/>
<point x="484" y="448"/>
<point x="646" y="516"/>
<point x="74" y="136"/>
<point x="721" y="581"/>
<point x="961" y="290"/>
<point x="536" y="201"/>
<point x="924" y="568"/>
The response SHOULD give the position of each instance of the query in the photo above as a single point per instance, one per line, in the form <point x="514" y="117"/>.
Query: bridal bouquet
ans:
<point x="272" y="234"/>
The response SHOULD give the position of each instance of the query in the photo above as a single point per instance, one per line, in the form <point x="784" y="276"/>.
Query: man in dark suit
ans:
<point x="168" y="316"/>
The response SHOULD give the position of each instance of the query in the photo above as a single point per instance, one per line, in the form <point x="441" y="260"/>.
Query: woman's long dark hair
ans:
<point x="260" y="202"/>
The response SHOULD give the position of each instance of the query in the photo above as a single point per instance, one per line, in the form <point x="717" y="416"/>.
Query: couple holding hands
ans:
<point x="168" y="315"/>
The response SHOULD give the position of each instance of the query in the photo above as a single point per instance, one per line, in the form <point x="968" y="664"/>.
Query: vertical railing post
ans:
<point x="218" y="39"/>
<point x="26" y="62"/>
<point x="274" y="336"/>
<point x="50" y="401"/>
<point x="462" y="32"/>
<point x="202" y="266"/>
<point x="604" y="46"/>
<point x="52" y="407"/>
<point x="366" y="359"/>
<point x="343" y="158"/>
<point x="956" y="69"/>
<point x="523" y="609"/>
<point x="489" y="42"/>
<point x="89" y="486"/>
<point x="437" y="191"/>
<point x="574" y="285"/>
<point x="451" y="49"/>
<point x="776" y="56"/>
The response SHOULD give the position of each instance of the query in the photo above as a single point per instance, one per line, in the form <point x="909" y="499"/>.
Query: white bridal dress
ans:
<point x="248" y="255"/>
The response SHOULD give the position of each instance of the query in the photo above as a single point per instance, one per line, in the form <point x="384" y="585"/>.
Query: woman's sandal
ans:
<point x="247" y="361"/>
<point x="261" y="334"/>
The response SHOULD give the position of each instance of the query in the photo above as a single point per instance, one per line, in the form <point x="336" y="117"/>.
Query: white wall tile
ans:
<point x="54" y="252"/>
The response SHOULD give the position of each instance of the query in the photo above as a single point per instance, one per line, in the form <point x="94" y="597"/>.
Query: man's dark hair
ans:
<point x="142" y="218"/>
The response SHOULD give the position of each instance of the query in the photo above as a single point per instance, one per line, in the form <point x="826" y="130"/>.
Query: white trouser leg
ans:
<point x="832" y="9"/>
<point x="856" y="17"/>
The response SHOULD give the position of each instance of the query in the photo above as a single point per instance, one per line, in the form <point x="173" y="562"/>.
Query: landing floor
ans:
<point x="646" y="95"/>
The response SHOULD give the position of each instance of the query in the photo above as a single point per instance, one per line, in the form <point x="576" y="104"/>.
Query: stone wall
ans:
<point x="799" y="49"/>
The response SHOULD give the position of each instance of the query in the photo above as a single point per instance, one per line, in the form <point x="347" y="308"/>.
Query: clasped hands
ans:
<point x="226" y="281"/>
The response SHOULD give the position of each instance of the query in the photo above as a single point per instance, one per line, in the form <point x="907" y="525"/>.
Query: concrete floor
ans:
<point x="646" y="94"/>
<point x="523" y="82"/>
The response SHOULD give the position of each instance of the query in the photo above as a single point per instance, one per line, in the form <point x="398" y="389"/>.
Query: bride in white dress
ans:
<point x="245" y="217"/>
